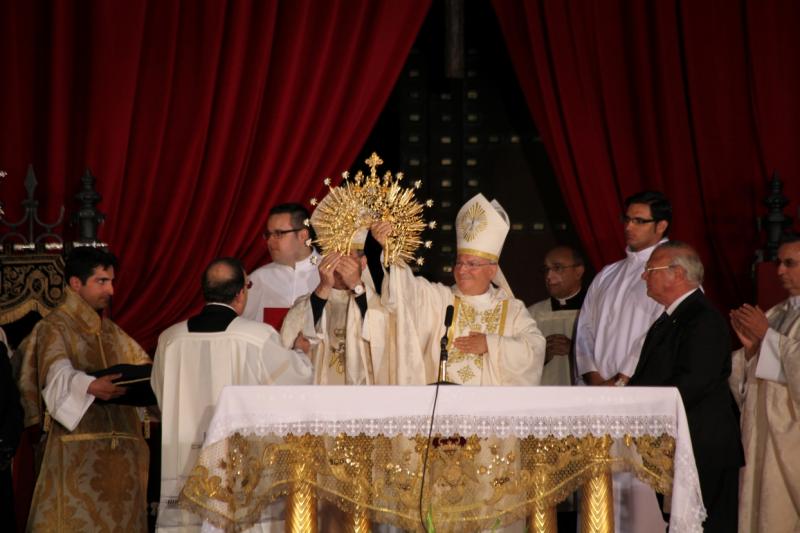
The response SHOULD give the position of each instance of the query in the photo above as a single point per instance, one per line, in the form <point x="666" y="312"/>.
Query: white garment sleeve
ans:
<point x="585" y="335"/>
<point x="284" y="366"/>
<point x="65" y="393"/>
<point x="516" y="359"/>
<point x="769" y="360"/>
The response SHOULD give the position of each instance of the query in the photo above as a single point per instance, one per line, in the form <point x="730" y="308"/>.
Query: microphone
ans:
<point x="448" y="321"/>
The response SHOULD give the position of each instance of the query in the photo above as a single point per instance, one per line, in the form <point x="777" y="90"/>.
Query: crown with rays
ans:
<point x="358" y="202"/>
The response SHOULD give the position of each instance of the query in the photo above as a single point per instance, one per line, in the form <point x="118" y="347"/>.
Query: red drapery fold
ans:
<point x="697" y="99"/>
<point x="195" y="116"/>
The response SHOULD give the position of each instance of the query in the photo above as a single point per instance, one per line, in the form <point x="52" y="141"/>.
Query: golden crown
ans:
<point x="355" y="204"/>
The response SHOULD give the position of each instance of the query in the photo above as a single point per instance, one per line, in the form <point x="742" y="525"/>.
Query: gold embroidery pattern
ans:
<point x="471" y="482"/>
<point x="466" y="374"/>
<point x="337" y="359"/>
<point x="472" y="222"/>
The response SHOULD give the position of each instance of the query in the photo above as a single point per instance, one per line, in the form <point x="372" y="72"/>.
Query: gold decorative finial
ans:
<point x="373" y="162"/>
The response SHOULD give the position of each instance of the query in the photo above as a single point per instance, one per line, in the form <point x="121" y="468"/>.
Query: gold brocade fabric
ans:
<point x="470" y="483"/>
<point x="93" y="478"/>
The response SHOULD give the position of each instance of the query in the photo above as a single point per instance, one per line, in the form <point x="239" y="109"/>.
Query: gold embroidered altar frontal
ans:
<point x="492" y="460"/>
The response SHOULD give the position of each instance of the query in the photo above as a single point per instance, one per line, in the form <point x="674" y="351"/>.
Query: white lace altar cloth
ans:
<point x="483" y="411"/>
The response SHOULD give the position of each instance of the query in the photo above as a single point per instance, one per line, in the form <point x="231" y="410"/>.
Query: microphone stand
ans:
<point x="442" y="380"/>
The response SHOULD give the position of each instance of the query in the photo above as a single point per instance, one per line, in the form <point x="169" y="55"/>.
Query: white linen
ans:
<point x="189" y="371"/>
<point x="483" y="411"/>
<point x="615" y="317"/>
<point x="279" y="286"/>
<point x="769" y="362"/>
<point x="557" y="371"/>
<point x="65" y="393"/>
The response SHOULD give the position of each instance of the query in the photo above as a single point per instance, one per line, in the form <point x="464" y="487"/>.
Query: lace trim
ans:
<point x="495" y="426"/>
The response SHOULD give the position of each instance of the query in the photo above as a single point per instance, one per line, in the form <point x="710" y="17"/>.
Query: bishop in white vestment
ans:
<point x="493" y="340"/>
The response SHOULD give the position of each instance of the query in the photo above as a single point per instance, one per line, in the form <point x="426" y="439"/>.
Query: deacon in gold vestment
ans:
<point x="765" y="380"/>
<point x="94" y="471"/>
<point x="493" y="339"/>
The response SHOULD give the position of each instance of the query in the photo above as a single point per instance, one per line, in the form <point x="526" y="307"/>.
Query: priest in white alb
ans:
<point x="493" y="340"/>
<point x="765" y="381"/>
<point x="194" y="360"/>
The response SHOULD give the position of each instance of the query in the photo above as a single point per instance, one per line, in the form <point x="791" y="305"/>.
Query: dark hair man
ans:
<point x="94" y="450"/>
<point x="613" y="322"/>
<point x="293" y="270"/>
<point x="766" y="383"/>
<point x="555" y="316"/>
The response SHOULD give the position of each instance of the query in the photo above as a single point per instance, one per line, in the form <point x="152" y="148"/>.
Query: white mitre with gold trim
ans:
<point x="481" y="230"/>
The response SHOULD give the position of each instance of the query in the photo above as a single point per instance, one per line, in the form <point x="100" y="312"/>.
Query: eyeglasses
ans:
<point x="469" y="265"/>
<point x="787" y="263"/>
<point x="279" y="233"/>
<point x="636" y="221"/>
<point x="650" y="270"/>
<point x="556" y="269"/>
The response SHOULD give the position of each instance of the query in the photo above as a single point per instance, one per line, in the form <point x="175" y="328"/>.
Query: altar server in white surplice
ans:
<point x="493" y="339"/>
<point x="765" y="380"/>
<point x="334" y="320"/>
<point x="194" y="360"/>
<point x="612" y="325"/>
<point x="293" y="270"/>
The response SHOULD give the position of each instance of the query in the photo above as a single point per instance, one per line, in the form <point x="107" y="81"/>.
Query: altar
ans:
<point x="497" y="455"/>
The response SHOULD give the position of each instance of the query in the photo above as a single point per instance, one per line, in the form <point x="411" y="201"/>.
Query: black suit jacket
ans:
<point x="691" y="350"/>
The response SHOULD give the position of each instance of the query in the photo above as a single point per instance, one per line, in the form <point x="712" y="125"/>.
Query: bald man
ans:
<point x="195" y="359"/>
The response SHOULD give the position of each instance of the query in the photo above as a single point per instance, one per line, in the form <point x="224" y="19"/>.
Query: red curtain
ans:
<point x="196" y="117"/>
<point x="697" y="99"/>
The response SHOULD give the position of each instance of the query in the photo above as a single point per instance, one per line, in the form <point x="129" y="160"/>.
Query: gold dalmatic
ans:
<point x="93" y="478"/>
<point x="466" y="368"/>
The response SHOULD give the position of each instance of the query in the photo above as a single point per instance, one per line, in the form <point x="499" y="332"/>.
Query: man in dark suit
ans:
<point x="688" y="347"/>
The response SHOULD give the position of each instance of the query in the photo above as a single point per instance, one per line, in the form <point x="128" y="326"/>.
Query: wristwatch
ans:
<point x="358" y="290"/>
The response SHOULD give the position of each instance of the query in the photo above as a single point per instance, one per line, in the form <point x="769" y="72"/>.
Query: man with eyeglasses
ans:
<point x="688" y="347"/>
<point x="194" y="360"/>
<point x="555" y="316"/>
<point x="612" y="324"/>
<point x="766" y="383"/>
<point x="493" y="340"/>
<point x="293" y="271"/>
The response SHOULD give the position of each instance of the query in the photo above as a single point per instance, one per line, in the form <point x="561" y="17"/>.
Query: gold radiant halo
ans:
<point x="358" y="202"/>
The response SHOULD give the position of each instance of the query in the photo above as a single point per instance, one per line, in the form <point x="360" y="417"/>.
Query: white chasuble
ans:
<point x="769" y="487"/>
<point x="515" y="345"/>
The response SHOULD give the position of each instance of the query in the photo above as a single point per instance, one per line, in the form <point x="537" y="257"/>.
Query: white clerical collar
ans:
<point x="643" y="255"/>
<point x="563" y="301"/>
<point x="674" y="305"/>
<point x="794" y="302"/>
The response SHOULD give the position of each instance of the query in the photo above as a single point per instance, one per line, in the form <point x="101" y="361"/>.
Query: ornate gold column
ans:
<point x="353" y="458"/>
<point x="597" y="495"/>
<point x="538" y="457"/>
<point x="301" y="504"/>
